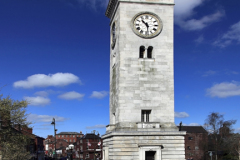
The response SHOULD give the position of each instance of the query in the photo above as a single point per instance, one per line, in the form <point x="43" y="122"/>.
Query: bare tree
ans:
<point x="232" y="143"/>
<point x="218" y="130"/>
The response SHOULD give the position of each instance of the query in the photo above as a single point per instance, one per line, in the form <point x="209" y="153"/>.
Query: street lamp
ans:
<point x="94" y="131"/>
<point x="53" y="122"/>
<point x="67" y="149"/>
<point x="70" y="147"/>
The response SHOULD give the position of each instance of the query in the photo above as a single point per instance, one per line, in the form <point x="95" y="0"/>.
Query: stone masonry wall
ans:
<point x="142" y="83"/>
<point x="127" y="147"/>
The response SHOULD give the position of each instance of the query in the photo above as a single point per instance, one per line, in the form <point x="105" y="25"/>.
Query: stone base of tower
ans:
<point x="138" y="145"/>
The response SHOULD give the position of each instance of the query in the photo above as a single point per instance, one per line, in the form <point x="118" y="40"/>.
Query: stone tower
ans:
<point x="142" y="83"/>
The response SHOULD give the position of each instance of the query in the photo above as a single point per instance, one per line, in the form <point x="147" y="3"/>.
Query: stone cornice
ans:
<point x="112" y="4"/>
<point x="151" y="133"/>
<point x="110" y="8"/>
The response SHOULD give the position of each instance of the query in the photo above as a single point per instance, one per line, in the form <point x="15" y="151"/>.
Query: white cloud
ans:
<point x="184" y="11"/>
<point x="99" y="95"/>
<point x="71" y="96"/>
<point x="38" y="101"/>
<point x="45" y="118"/>
<point x="96" y="126"/>
<point x="42" y="80"/>
<point x="209" y="73"/>
<point x="231" y="36"/>
<point x="93" y="4"/>
<point x="46" y="93"/>
<point x="194" y="24"/>
<point x="184" y="8"/>
<point x="194" y="124"/>
<point x="42" y="93"/>
<point x="223" y="72"/>
<point x="225" y="89"/>
<point x="200" y="39"/>
<point x="237" y="130"/>
<point x="181" y="115"/>
<point x="231" y="72"/>
<point x="191" y="124"/>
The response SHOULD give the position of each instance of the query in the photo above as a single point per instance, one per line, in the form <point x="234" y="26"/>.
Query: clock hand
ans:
<point x="146" y="24"/>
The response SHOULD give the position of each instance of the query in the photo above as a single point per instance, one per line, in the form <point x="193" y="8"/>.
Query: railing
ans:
<point x="148" y="125"/>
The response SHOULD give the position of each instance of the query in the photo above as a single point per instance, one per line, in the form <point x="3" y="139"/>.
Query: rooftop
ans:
<point x="91" y="136"/>
<point x="193" y="129"/>
<point x="64" y="133"/>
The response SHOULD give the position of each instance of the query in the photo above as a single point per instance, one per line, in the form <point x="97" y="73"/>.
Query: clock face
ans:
<point x="147" y="25"/>
<point x="113" y="35"/>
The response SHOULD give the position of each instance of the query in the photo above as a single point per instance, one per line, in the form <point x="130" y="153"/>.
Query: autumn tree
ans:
<point x="13" y="143"/>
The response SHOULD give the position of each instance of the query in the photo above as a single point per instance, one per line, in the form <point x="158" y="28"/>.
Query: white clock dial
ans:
<point x="146" y="25"/>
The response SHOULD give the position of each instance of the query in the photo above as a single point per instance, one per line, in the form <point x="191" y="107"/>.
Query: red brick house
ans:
<point x="37" y="146"/>
<point x="61" y="145"/>
<point x="88" y="146"/>
<point x="196" y="142"/>
<point x="34" y="146"/>
<point x="63" y="140"/>
<point x="70" y="137"/>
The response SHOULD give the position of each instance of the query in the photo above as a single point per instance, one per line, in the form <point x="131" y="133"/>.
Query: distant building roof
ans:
<point x="63" y="133"/>
<point x="193" y="129"/>
<point x="90" y="136"/>
<point x="39" y="137"/>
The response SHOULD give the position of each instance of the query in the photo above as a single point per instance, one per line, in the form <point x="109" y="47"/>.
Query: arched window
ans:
<point x="141" y="52"/>
<point x="149" y="52"/>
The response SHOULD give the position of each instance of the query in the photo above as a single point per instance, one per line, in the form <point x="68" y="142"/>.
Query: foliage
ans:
<point x="14" y="142"/>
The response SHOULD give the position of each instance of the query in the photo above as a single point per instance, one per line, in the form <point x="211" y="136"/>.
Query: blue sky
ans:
<point x="55" y="54"/>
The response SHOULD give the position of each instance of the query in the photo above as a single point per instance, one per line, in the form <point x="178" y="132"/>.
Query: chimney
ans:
<point x="30" y="130"/>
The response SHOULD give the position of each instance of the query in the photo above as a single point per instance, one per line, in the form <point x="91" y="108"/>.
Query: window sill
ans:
<point x="147" y="59"/>
<point x="148" y="124"/>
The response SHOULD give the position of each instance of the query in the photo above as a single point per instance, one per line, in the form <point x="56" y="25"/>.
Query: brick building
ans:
<point x="70" y="137"/>
<point x="196" y="142"/>
<point x="63" y="140"/>
<point x="61" y="145"/>
<point x="35" y="143"/>
<point x="88" y="146"/>
<point x="36" y="147"/>
<point x="39" y="147"/>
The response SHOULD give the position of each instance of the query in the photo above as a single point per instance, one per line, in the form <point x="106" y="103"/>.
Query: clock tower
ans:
<point x="142" y="83"/>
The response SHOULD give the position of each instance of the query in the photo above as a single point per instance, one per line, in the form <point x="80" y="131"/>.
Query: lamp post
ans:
<point x="70" y="147"/>
<point x="67" y="152"/>
<point x="67" y="149"/>
<point x="53" y="122"/>
<point x="95" y="144"/>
